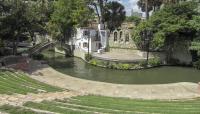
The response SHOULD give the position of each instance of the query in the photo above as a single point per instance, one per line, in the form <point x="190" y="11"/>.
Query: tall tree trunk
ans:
<point x="146" y="9"/>
<point x="101" y="11"/>
<point x="15" y="45"/>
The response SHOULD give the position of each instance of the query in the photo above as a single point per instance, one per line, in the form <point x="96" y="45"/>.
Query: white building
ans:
<point x="96" y="40"/>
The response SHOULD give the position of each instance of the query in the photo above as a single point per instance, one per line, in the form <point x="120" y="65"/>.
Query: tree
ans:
<point x="173" y="24"/>
<point x="154" y="5"/>
<point x="18" y="18"/>
<point x="134" y="19"/>
<point x="114" y="15"/>
<point x="67" y="15"/>
<point x="149" y="5"/>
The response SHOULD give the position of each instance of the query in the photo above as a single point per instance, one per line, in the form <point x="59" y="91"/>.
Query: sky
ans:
<point x="129" y="5"/>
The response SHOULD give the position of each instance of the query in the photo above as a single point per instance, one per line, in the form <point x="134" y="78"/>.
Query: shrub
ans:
<point x="110" y="65"/>
<point x="197" y="64"/>
<point x="143" y="64"/>
<point x="154" y="62"/>
<point x="88" y="57"/>
<point x="93" y="62"/>
<point x="124" y="66"/>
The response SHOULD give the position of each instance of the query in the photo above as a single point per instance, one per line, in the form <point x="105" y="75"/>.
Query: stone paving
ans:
<point x="19" y="100"/>
<point x="122" y="55"/>
<point x="163" y="91"/>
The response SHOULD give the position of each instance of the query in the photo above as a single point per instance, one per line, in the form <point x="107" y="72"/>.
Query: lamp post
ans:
<point x="146" y="36"/>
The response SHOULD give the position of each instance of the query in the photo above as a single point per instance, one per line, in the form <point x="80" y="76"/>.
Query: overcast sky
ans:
<point x="129" y="5"/>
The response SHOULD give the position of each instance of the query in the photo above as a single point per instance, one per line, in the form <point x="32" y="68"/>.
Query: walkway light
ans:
<point x="146" y="36"/>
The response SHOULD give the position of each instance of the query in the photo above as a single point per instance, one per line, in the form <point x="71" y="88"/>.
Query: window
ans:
<point x="86" y="33"/>
<point x="127" y="38"/>
<point x="121" y="33"/>
<point x="103" y="34"/>
<point x="85" y="45"/>
<point x="115" y="36"/>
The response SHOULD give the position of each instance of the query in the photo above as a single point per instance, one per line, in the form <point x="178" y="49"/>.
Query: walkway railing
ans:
<point x="40" y="47"/>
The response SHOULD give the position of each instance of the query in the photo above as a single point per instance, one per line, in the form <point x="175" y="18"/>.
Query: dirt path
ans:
<point x="162" y="91"/>
<point x="19" y="100"/>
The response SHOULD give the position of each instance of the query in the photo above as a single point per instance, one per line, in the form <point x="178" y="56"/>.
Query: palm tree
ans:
<point x="149" y="5"/>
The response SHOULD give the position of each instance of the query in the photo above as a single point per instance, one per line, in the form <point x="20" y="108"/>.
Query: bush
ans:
<point x="143" y="64"/>
<point x="154" y="62"/>
<point x="38" y="57"/>
<point x="88" y="57"/>
<point x="124" y="66"/>
<point x="197" y="64"/>
<point x="93" y="62"/>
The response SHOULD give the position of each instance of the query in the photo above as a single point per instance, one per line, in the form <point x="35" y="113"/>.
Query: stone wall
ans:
<point x="182" y="53"/>
<point x="59" y="51"/>
<point x="121" y="39"/>
<point x="79" y="53"/>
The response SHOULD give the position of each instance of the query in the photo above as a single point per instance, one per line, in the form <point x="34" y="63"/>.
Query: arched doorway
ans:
<point x="115" y="36"/>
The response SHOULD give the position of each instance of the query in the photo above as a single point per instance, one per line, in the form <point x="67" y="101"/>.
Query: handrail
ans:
<point x="41" y="47"/>
<point x="37" y="45"/>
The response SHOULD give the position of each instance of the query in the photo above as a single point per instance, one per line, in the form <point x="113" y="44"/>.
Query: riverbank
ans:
<point x="183" y="90"/>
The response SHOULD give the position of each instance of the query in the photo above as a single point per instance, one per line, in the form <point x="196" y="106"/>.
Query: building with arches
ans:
<point x="121" y="37"/>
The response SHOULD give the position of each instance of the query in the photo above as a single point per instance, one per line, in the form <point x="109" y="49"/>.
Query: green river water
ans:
<point x="78" y="68"/>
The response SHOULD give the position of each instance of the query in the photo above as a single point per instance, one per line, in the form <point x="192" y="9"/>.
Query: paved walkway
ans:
<point x="164" y="91"/>
<point x="19" y="100"/>
<point x="122" y="55"/>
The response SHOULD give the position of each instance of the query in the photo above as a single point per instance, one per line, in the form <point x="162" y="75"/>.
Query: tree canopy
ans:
<point x="114" y="15"/>
<point x="21" y="18"/>
<point x="67" y="15"/>
<point x="135" y="19"/>
<point x="172" y="23"/>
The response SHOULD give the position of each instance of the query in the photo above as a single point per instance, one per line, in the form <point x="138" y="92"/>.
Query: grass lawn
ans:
<point x="108" y="105"/>
<point x="15" y="82"/>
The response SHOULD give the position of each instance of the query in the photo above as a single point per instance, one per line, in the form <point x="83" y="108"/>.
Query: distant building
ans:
<point x="121" y="37"/>
<point x="92" y="37"/>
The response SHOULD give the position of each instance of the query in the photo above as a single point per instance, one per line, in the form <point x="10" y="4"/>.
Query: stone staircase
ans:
<point x="39" y="47"/>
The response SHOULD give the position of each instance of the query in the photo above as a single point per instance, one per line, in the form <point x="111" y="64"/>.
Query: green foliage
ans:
<point x="93" y="62"/>
<point x="134" y="19"/>
<point x="88" y="57"/>
<point x="143" y="64"/>
<point x="197" y="64"/>
<point x="195" y="46"/>
<point x="136" y="34"/>
<point x="151" y="5"/>
<point x="114" y="14"/>
<point x="67" y="15"/>
<point x="124" y="66"/>
<point x="20" y="19"/>
<point x="173" y="24"/>
<point x="154" y="61"/>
